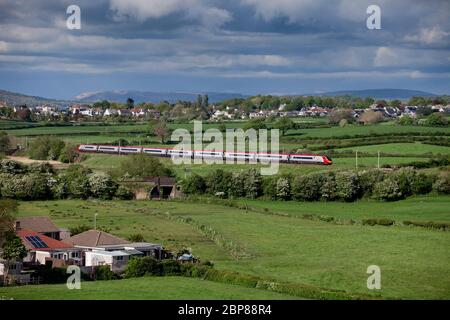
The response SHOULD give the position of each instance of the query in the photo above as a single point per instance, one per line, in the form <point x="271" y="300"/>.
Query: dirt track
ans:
<point x="53" y="163"/>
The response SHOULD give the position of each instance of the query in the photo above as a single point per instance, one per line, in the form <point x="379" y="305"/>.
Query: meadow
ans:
<point x="167" y="288"/>
<point x="414" y="261"/>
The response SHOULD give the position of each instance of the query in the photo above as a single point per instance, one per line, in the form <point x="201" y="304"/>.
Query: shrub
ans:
<point x="387" y="190"/>
<point x="445" y="226"/>
<point x="252" y="183"/>
<point x="193" y="184"/>
<point x="307" y="187"/>
<point x="269" y="186"/>
<point x="46" y="148"/>
<point x="137" y="237"/>
<point x="68" y="154"/>
<point x="328" y="190"/>
<point x="347" y="186"/>
<point x="170" y="268"/>
<point x="378" y="221"/>
<point x="139" y="267"/>
<point x="142" y="165"/>
<point x="219" y="182"/>
<point x="406" y="121"/>
<point x="368" y="179"/>
<point x="436" y="119"/>
<point x="77" y="179"/>
<point x="405" y="178"/>
<point x="25" y="187"/>
<point x="102" y="185"/>
<point x="123" y="193"/>
<point x="442" y="184"/>
<point x="283" y="189"/>
<point x="422" y="184"/>
<point x="104" y="273"/>
<point x="13" y="167"/>
<point x="79" y="229"/>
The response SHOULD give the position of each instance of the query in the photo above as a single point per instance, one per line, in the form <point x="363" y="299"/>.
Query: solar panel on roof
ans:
<point x="36" y="242"/>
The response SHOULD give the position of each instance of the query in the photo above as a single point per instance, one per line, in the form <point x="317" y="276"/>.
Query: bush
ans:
<point x="445" y="226"/>
<point x="283" y="188"/>
<point x="77" y="179"/>
<point x="142" y="166"/>
<point x="123" y="193"/>
<point x="102" y="185"/>
<point x="46" y="148"/>
<point x="347" y="186"/>
<point x="387" y="190"/>
<point x="422" y="184"/>
<point x="219" y="182"/>
<point x="25" y="187"/>
<point x="328" y="191"/>
<point x="139" y="267"/>
<point x="68" y="154"/>
<point x="436" y="119"/>
<point x="137" y="237"/>
<point x="269" y="186"/>
<point x="193" y="184"/>
<point x="252" y="183"/>
<point x="378" y="221"/>
<point x="368" y="179"/>
<point x="79" y="229"/>
<point x="442" y="184"/>
<point x="104" y="273"/>
<point x="307" y="188"/>
<point x="170" y="268"/>
<point x="13" y="167"/>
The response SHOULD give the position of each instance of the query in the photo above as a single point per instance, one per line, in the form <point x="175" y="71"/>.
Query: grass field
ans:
<point x="167" y="288"/>
<point x="414" y="261"/>
<point x="110" y="162"/>
<point x="421" y="208"/>
<point x="401" y="148"/>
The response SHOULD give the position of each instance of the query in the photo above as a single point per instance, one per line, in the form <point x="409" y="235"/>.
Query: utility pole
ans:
<point x="378" y="159"/>
<point x="95" y="221"/>
<point x="356" y="159"/>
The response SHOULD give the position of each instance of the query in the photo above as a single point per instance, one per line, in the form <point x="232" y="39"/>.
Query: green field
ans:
<point x="420" y="208"/>
<point x="155" y="288"/>
<point x="400" y="148"/>
<point x="110" y="162"/>
<point x="414" y="261"/>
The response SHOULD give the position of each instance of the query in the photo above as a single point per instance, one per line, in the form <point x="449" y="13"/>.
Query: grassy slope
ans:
<point x="167" y="288"/>
<point x="107" y="162"/>
<point x="414" y="261"/>
<point x="401" y="148"/>
<point x="422" y="208"/>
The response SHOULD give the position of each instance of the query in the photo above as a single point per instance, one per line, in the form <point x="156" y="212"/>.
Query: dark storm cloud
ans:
<point x="288" y="40"/>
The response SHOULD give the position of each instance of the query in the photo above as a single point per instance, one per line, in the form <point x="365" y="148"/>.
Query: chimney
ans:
<point x="17" y="225"/>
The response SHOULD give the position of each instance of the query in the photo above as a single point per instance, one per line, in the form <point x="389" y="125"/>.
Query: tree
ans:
<point x="130" y="103"/>
<point x="387" y="190"/>
<point x="284" y="124"/>
<point x="193" y="184"/>
<point x="406" y="121"/>
<point x="395" y="103"/>
<point x="12" y="251"/>
<point x="336" y="116"/>
<point x="142" y="166"/>
<point x="46" y="148"/>
<point x="347" y="186"/>
<point x="437" y="119"/>
<point x="283" y="189"/>
<point x="256" y="124"/>
<point x="162" y="131"/>
<point x="24" y="113"/>
<point x="7" y="209"/>
<point x="102" y="185"/>
<point x="371" y="117"/>
<point x="5" y="142"/>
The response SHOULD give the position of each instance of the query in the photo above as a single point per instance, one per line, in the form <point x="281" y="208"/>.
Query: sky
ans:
<point x="240" y="46"/>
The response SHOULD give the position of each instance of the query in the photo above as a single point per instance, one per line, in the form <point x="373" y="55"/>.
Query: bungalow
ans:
<point x="42" y="249"/>
<point x="101" y="248"/>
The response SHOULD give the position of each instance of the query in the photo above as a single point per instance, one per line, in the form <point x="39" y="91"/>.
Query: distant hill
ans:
<point x="155" y="97"/>
<point x="16" y="99"/>
<point x="401" y="94"/>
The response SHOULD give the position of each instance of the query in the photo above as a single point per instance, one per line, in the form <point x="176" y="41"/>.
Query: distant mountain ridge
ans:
<point x="17" y="99"/>
<point x="401" y="94"/>
<point x="155" y="97"/>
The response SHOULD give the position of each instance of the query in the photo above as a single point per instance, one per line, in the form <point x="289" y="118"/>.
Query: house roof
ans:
<point x="95" y="238"/>
<point x="35" y="241"/>
<point x="38" y="224"/>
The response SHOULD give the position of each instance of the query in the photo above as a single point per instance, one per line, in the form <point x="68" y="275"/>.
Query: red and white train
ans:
<point x="205" y="154"/>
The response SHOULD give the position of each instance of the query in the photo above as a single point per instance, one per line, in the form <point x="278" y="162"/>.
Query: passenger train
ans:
<point x="205" y="154"/>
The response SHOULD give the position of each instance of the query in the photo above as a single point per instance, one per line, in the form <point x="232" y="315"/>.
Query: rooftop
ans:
<point x="37" y="224"/>
<point x="95" y="238"/>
